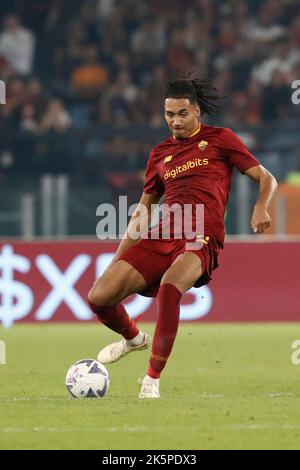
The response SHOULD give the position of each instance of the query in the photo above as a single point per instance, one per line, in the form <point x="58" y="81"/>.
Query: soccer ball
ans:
<point x="87" y="379"/>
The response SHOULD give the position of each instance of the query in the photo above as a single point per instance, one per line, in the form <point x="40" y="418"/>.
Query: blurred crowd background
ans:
<point x="85" y="82"/>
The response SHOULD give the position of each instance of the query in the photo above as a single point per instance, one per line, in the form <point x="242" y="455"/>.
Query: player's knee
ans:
<point x="168" y="278"/>
<point x="179" y="284"/>
<point x="100" y="295"/>
<point x="92" y="298"/>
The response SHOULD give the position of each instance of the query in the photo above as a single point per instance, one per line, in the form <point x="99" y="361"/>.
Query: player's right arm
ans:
<point x="138" y="224"/>
<point x="141" y="218"/>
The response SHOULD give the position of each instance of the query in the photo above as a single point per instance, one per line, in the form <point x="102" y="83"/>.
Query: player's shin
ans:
<point x="117" y="319"/>
<point x="166" y="328"/>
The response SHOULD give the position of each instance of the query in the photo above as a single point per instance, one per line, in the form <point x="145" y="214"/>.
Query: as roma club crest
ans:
<point x="202" y="145"/>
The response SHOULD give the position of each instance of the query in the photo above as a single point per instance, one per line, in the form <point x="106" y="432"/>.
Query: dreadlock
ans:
<point x="196" y="90"/>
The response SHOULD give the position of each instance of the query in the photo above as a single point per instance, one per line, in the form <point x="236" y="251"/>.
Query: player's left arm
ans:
<point x="261" y="219"/>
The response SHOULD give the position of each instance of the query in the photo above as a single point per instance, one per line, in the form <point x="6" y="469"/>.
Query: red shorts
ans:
<point x="151" y="258"/>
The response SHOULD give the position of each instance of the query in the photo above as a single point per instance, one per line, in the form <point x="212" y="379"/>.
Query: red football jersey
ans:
<point x="198" y="170"/>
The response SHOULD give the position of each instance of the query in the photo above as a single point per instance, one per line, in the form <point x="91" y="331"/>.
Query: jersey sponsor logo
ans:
<point x="168" y="159"/>
<point x="202" y="145"/>
<point x="185" y="167"/>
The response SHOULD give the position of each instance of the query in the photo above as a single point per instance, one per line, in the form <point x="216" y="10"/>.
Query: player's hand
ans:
<point x="261" y="220"/>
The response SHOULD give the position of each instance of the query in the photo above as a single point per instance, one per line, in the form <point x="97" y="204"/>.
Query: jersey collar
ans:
<point x="189" y="138"/>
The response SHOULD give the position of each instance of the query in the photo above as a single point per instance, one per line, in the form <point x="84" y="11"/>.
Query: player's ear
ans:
<point x="198" y="112"/>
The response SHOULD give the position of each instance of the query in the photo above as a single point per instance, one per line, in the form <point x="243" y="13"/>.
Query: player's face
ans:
<point x="182" y="117"/>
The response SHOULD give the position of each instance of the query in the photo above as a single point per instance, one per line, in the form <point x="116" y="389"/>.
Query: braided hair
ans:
<point x="200" y="91"/>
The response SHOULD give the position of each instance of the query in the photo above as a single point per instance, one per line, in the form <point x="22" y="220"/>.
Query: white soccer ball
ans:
<point x="87" y="378"/>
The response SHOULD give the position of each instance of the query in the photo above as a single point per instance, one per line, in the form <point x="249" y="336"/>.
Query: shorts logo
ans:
<point x="202" y="239"/>
<point x="168" y="159"/>
<point x="202" y="145"/>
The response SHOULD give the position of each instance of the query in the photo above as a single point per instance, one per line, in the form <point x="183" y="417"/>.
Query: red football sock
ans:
<point x="117" y="319"/>
<point x="166" y="328"/>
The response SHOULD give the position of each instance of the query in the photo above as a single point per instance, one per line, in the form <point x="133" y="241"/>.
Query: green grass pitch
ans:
<point x="225" y="387"/>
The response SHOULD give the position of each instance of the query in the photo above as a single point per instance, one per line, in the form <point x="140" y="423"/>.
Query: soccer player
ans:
<point x="192" y="167"/>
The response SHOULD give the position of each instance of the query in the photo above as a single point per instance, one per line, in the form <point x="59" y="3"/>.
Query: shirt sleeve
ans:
<point x="236" y="152"/>
<point x="153" y="184"/>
